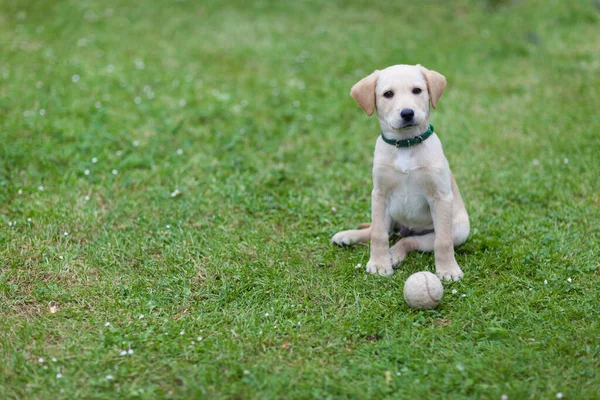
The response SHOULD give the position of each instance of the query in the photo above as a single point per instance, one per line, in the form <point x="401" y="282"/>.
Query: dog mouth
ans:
<point x="403" y="125"/>
<point x="408" y="125"/>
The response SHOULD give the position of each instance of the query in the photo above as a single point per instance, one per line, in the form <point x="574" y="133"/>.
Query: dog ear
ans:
<point x="363" y="92"/>
<point x="436" y="83"/>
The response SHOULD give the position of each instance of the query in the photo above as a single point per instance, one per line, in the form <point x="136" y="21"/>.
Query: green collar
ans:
<point x="409" y="142"/>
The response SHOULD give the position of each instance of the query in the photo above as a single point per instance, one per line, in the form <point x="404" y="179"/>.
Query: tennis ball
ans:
<point x="423" y="290"/>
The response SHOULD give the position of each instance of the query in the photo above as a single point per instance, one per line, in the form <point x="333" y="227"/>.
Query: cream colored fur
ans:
<point x="413" y="188"/>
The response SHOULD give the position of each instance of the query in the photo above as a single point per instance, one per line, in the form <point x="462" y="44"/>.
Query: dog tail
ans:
<point x="364" y="226"/>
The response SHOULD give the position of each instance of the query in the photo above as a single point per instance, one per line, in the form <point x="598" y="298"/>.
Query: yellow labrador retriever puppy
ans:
<point x="414" y="191"/>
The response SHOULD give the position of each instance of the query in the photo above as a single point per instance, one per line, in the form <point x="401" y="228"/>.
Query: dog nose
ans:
<point x="407" y="114"/>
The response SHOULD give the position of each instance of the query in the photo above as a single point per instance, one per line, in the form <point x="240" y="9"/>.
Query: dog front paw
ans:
<point x="450" y="271"/>
<point x="380" y="268"/>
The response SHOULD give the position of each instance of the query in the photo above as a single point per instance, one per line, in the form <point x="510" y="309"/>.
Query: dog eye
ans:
<point x="389" y="94"/>
<point x="417" y="91"/>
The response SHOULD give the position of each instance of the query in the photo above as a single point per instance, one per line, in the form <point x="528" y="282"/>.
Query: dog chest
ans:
<point x="398" y="175"/>
<point x="409" y="207"/>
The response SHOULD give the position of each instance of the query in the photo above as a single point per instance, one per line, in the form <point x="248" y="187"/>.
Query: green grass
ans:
<point x="275" y="158"/>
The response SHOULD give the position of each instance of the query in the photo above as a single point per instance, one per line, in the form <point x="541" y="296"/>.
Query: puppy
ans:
<point x="414" y="191"/>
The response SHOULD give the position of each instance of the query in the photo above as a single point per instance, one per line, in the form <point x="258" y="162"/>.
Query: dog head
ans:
<point x="400" y="94"/>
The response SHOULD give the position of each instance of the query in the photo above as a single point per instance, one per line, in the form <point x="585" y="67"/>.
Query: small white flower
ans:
<point x="454" y="291"/>
<point x="94" y="160"/>
<point x="463" y="295"/>
<point x="40" y="188"/>
<point x="182" y="332"/>
<point x="10" y="223"/>
<point x="136" y="143"/>
<point x="141" y="316"/>
<point x="87" y="198"/>
<point x="266" y="314"/>
<point x="179" y="152"/>
<point x="545" y="281"/>
<point x="42" y="112"/>
<point x="60" y="257"/>
<point x="504" y="397"/>
<point x="118" y="153"/>
<point x="246" y="372"/>
<point x="169" y="227"/>
<point x="333" y="209"/>
<point x="137" y="100"/>
<point x="559" y="395"/>
<point x="123" y="353"/>
<point x="86" y="172"/>
<point x="359" y="265"/>
<point x="460" y="367"/>
<point x="115" y="172"/>
<point x="28" y="219"/>
<point x="109" y="377"/>
<point x="53" y="359"/>
<point x="130" y="351"/>
<point x="569" y="280"/>
<point x="66" y="233"/>
<point x="75" y="78"/>
<point x="566" y="160"/>
<point x="59" y="375"/>
<point x="41" y="360"/>
<point x="20" y="191"/>
<point x="199" y="338"/>
<point x="107" y="324"/>
<point x="536" y="162"/>
<point x="175" y="193"/>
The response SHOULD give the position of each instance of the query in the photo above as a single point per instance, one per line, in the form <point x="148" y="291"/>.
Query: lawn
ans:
<point x="171" y="173"/>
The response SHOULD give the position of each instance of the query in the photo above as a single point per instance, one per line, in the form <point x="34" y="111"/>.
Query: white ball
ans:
<point x="423" y="290"/>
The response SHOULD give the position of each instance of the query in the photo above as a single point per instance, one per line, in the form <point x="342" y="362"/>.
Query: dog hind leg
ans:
<point x="350" y="237"/>
<point x="425" y="243"/>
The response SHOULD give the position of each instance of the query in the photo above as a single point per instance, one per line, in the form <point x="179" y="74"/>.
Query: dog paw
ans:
<point x="342" y="239"/>
<point x="383" y="269"/>
<point x="449" y="272"/>
<point x="397" y="255"/>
